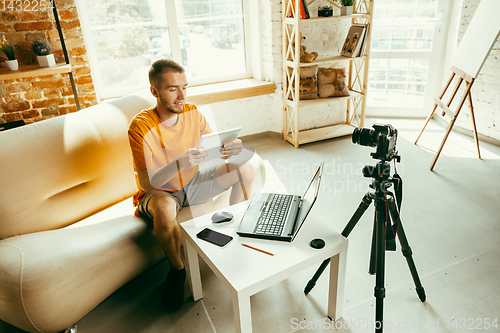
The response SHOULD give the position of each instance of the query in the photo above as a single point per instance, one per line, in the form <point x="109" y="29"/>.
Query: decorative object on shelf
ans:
<point x="308" y="87"/>
<point x="347" y="6"/>
<point x="305" y="57"/>
<point x="354" y="42"/>
<point x="331" y="82"/>
<point x="325" y="11"/>
<point x="13" y="65"/>
<point x="9" y="49"/>
<point x="43" y="52"/>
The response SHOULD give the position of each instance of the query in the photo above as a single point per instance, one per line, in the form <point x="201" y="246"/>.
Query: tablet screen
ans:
<point x="212" y="142"/>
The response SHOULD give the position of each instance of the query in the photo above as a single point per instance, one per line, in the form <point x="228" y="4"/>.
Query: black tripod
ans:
<point x="384" y="204"/>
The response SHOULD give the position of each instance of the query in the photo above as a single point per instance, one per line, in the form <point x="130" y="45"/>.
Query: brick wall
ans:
<point x="38" y="98"/>
<point x="486" y="88"/>
<point x="272" y="40"/>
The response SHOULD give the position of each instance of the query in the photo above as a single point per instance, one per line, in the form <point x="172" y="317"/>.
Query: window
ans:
<point x="406" y="53"/>
<point x="124" y="37"/>
<point x="396" y="79"/>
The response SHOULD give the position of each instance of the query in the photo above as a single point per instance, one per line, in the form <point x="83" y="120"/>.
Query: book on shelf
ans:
<point x="302" y="10"/>
<point x="306" y="9"/>
<point x="355" y="41"/>
<point x="363" y="41"/>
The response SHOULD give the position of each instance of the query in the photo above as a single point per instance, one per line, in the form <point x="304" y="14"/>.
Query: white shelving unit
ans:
<point x="356" y="81"/>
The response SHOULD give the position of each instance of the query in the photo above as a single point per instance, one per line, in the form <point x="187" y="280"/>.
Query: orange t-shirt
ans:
<point x="154" y="144"/>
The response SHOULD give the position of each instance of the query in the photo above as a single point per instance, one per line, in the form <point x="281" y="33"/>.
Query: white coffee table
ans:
<point x="245" y="271"/>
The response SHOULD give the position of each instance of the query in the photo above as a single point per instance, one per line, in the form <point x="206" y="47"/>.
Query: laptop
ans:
<point x="279" y="216"/>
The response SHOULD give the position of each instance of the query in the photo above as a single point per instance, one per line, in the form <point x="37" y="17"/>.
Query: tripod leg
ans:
<point x="379" y="279"/>
<point x="363" y="206"/>
<point x="405" y="248"/>
<point x="316" y="276"/>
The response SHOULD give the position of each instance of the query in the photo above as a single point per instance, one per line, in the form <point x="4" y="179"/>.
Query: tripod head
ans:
<point x="383" y="137"/>
<point x="381" y="174"/>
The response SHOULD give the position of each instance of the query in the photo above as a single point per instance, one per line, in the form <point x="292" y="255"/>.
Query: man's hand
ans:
<point x="192" y="157"/>
<point x="232" y="148"/>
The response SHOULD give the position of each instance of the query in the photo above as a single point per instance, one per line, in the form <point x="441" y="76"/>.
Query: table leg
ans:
<point x="193" y="270"/>
<point x="241" y="314"/>
<point x="337" y="284"/>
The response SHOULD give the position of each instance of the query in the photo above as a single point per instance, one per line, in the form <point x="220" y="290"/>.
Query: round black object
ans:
<point x="317" y="243"/>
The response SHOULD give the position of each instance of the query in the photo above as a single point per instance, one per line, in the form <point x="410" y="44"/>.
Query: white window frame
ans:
<point x="435" y="56"/>
<point x="253" y="46"/>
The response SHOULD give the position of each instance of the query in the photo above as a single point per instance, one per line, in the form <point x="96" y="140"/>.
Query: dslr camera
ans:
<point x="381" y="136"/>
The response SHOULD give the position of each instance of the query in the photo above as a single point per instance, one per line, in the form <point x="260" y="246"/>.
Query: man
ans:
<point x="163" y="140"/>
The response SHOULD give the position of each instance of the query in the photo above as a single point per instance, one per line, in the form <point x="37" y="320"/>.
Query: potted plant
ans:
<point x="9" y="49"/>
<point x="43" y="52"/>
<point x="346" y="8"/>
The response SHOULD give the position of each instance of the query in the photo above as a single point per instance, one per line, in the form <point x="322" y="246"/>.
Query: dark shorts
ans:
<point x="203" y="187"/>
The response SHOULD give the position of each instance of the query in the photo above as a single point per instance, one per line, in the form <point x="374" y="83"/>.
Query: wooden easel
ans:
<point x="469" y="80"/>
<point x="469" y="58"/>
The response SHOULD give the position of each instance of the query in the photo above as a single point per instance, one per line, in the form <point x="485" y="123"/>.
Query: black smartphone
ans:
<point x="215" y="237"/>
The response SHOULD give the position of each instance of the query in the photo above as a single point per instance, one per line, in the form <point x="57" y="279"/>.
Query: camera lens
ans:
<point x="355" y="135"/>
<point x="364" y="137"/>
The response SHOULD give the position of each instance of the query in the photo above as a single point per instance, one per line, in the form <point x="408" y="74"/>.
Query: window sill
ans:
<point x="227" y="91"/>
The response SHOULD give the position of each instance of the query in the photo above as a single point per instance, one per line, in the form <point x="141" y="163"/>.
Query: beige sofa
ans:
<point x="68" y="234"/>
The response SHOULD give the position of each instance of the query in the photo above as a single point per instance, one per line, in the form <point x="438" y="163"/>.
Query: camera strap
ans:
<point x="390" y="236"/>
<point x="398" y="193"/>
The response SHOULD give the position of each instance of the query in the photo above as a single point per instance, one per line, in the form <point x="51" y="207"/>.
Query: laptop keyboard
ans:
<point x="272" y="218"/>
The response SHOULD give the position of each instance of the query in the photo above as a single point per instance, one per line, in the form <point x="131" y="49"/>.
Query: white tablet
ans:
<point x="216" y="140"/>
<point x="212" y="142"/>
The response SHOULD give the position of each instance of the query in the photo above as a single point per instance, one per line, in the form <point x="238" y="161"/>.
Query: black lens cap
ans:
<point x="317" y="243"/>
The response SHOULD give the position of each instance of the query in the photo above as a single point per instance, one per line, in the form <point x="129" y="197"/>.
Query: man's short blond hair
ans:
<point x="163" y="66"/>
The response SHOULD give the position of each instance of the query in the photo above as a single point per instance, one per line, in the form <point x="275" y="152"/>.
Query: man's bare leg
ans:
<point x="167" y="230"/>
<point x="240" y="178"/>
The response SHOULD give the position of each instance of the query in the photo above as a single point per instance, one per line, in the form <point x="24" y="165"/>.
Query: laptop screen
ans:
<point x="309" y="197"/>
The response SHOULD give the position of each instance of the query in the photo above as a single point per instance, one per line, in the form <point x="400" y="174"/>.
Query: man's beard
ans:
<point x="171" y="108"/>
